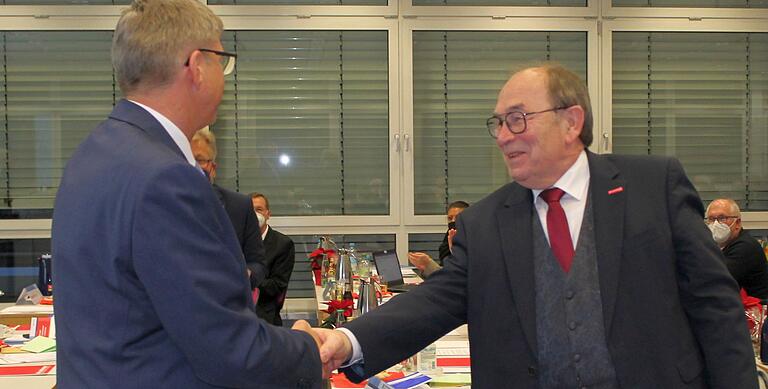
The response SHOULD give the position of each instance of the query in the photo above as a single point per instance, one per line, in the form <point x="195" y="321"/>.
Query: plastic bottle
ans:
<point x="353" y="258"/>
<point x="427" y="358"/>
<point x="44" y="276"/>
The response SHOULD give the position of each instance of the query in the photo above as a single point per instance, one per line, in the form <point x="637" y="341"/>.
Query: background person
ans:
<point x="151" y="286"/>
<point x="586" y="271"/>
<point x="238" y="206"/>
<point x="280" y="258"/>
<point x="744" y="256"/>
<point x="422" y="261"/>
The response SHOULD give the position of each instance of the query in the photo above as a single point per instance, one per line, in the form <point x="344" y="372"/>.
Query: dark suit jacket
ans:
<point x="745" y="260"/>
<point x="673" y="318"/>
<point x="281" y="256"/>
<point x="239" y="208"/>
<point x="444" y="250"/>
<point x="150" y="280"/>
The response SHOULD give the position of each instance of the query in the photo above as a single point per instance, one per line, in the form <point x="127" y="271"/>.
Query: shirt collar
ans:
<point x="173" y="131"/>
<point x="264" y="235"/>
<point x="574" y="182"/>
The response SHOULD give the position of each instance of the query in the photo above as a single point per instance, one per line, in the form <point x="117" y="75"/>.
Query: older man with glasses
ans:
<point x="744" y="256"/>
<point x="586" y="271"/>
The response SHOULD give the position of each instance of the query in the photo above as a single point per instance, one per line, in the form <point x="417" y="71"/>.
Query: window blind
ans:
<point x="297" y="2"/>
<point x="457" y="76"/>
<point x="702" y="98"/>
<point x="65" y="2"/>
<point x="693" y="3"/>
<point x="548" y="3"/>
<point x="56" y="87"/>
<point x="305" y="121"/>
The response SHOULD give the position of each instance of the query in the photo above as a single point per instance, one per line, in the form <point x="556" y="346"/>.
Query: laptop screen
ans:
<point x="388" y="267"/>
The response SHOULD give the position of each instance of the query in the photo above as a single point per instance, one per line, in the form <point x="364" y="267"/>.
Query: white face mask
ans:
<point x="262" y="219"/>
<point x="720" y="232"/>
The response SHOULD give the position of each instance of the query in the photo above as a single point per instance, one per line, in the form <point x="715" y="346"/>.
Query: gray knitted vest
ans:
<point x="569" y="314"/>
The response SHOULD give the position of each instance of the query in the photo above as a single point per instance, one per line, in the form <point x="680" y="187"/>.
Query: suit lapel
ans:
<point x="126" y="111"/>
<point x="608" y="192"/>
<point x="514" y="222"/>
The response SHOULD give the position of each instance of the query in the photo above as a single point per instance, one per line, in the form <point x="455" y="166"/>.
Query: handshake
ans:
<point x="335" y="347"/>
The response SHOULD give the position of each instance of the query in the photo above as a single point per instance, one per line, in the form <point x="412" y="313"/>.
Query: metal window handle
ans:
<point x="407" y="142"/>
<point x="397" y="142"/>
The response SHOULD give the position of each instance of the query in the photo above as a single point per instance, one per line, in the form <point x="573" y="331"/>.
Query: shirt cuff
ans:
<point x="357" y="352"/>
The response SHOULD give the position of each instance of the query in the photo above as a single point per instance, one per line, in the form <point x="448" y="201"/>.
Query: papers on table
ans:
<point x="452" y="380"/>
<point x="9" y="359"/>
<point x="40" y="344"/>
<point x="29" y="309"/>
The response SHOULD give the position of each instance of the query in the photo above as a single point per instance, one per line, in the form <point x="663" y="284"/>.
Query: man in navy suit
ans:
<point x="587" y="271"/>
<point x="280" y="258"/>
<point x="151" y="285"/>
<point x="238" y="206"/>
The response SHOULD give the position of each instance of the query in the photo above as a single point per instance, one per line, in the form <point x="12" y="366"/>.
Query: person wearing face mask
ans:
<point x="238" y="207"/>
<point x="280" y="257"/>
<point x="744" y="256"/>
<point x="424" y="264"/>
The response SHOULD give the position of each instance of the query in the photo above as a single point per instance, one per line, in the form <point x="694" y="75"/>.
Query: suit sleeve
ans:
<point x="187" y="258"/>
<point x="411" y="321"/>
<point x="282" y="267"/>
<point x="709" y="294"/>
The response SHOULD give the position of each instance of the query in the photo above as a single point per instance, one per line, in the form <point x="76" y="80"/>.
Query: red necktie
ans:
<point x="557" y="227"/>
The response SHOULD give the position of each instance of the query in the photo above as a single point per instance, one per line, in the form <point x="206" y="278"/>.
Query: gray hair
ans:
<point x="205" y="135"/>
<point x="154" y="37"/>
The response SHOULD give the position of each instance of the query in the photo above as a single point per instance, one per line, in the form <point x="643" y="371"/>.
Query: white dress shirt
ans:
<point x="174" y="132"/>
<point x="575" y="184"/>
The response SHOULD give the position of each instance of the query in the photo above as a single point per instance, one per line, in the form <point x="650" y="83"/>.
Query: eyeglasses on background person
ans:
<point x="720" y="219"/>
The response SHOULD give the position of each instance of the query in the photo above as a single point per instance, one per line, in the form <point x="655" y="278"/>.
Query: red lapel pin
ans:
<point x="615" y="190"/>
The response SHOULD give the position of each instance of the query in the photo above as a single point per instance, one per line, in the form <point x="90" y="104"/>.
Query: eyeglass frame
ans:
<point x="494" y="131"/>
<point x="227" y="67"/>
<point x="723" y="219"/>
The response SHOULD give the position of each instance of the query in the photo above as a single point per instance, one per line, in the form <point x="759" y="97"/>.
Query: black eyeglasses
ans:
<point x="226" y="59"/>
<point x="722" y="219"/>
<point x="516" y="121"/>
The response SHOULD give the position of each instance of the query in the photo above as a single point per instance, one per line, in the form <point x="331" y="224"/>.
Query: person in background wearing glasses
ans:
<point x="586" y="271"/>
<point x="151" y="285"/>
<point x="239" y="209"/>
<point x="744" y="256"/>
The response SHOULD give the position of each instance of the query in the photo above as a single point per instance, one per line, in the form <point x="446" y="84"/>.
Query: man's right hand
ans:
<point x="420" y="260"/>
<point x="336" y="349"/>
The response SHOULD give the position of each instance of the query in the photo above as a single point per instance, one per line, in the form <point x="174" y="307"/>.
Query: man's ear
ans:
<point x="196" y="73"/>
<point x="574" y="119"/>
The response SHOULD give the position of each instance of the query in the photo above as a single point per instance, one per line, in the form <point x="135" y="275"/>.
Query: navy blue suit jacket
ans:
<point x="151" y="288"/>
<point x="673" y="317"/>
<point x="239" y="208"/>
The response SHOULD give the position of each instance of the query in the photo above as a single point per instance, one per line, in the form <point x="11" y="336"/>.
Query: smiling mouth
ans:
<point x="514" y="154"/>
